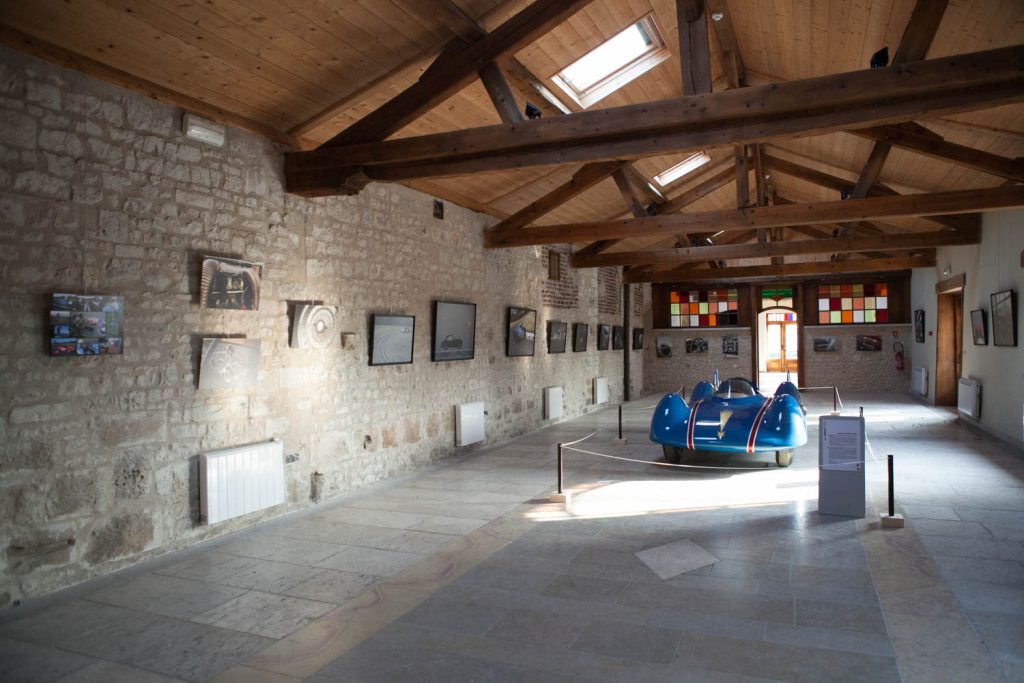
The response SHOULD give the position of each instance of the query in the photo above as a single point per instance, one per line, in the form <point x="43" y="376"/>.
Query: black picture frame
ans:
<point x="557" y="332"/>
<point x="919" y="325"/>
<point x="521" y="336"/>
<point x="979" y="328"/>
<point x="391" y="339"/>
<point x="869" y="342"/>
<point x="580" y="331"/>
<point x="698" y="345"/>
<point x="730" y="346"/>
<point x="86" y="324"/>
<point x="454" y="331"/>
<point x="1004" y="318"/>
<point x="638" y="338"/>
<point x="618" y="337"/>
<point x="603" y="334"/>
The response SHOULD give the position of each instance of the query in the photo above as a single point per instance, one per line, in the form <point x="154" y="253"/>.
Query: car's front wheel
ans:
<point x="673" y="454"/>
<point x="784" y="458"/>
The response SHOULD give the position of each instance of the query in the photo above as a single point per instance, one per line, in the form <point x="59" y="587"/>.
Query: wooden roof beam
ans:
<point x="459" y="70"/>
<point x="919" y="240"/>
<point x="694" y="53"/>
<point x="775" y="272"/>
<point x="923" y="141"/>
<point x="806" y="107"/>
<point x="962" y="201"/>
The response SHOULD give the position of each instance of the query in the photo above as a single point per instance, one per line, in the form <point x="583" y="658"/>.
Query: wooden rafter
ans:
<point x="784" y="248"/>
<point x="694" y="56"/>
<point x="962" y="201"/>
<point x="806" y="107"/>
<point x="918" y="139"/>
<point x="772" y="272"/>
<point x="459" y="70"/>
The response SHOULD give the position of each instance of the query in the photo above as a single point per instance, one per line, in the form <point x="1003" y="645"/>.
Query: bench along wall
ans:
<point x="101" y="193"/>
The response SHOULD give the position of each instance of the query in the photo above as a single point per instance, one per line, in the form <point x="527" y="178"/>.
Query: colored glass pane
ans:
<point x="694" y="320"/>
<point x="881" y="302"/>
<point x="882" y="290"/>
<point x="713" y="320"/>
<point x="882" y="316"/>
<point x="858" y="304"/>
<point x="837" y="317"/>
<point x="823" y="318"/>
<point x="847" y="316"/>
<point x="869" y="316"/>
<point x="858" y="290"/>
<point x="673" y="297"/>
<point x="847" y="304"/>
<point x="835" y="304"/>
<point x="822" y="304"/>
<point x="858" y="316"/>
<point x="869" y="302"/>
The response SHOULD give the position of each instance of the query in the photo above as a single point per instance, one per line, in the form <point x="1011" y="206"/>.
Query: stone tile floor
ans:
<point x="465" y="572"/>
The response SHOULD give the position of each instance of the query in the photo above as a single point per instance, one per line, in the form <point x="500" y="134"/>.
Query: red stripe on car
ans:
<point x="757" y="425"/>
<point x="689" y="427"/>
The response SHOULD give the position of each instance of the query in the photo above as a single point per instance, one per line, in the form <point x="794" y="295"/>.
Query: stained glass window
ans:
<point x="704" y="308"/>
<point x="853" y="304"/>
<point x="774" y="298"/>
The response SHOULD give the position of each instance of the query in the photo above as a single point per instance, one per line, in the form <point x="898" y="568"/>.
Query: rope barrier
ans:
<point x="695" y="467"/>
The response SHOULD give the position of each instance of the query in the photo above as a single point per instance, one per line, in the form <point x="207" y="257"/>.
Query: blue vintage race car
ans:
<point x="733" y="418"/>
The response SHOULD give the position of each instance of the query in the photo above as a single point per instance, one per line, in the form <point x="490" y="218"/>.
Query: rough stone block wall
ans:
<point x="663" y="375"/>
<point x="852" y="370"/>
<point x="101" y="193"/>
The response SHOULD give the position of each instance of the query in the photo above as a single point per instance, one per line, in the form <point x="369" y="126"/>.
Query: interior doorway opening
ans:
<point x="778" y="357"/>
<point x="949" y="335"/>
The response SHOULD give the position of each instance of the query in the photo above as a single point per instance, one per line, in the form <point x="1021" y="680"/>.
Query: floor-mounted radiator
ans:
<point x="968" y="397"/>
<point x="919" y="383"/>
<point x="237" y="481"/>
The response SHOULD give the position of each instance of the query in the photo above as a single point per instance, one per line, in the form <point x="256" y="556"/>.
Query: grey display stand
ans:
<point x="841" y="466"/>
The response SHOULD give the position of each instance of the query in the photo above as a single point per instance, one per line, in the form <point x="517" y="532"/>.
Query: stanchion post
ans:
<point x="892" y="520"/>
<point x="560" y="468"/>
<point x="835" y="399"/>
<point x="892" y="496"/>
<point x="620" y="422"/>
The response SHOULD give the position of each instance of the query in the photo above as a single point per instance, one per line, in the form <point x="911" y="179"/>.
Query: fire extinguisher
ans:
<point x="898" y="347"/>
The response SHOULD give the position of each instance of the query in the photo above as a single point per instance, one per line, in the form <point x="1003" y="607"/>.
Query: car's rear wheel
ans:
<point x="784" y="458"/>
<point x="673" y="454"/>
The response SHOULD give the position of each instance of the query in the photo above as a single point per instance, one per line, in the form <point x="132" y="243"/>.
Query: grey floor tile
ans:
<point x="210" y="566"/>
<point x="370" y="560"/>
<point x="629" y="641"/>
<point x="979" y="569"/>
<point x="454" y="615"/>
<point x="942" y="527"/>
<point x="974" y="547"/>
<point x="833" y="615"/>
<point x="711" y="603"/>
<point x="391" y="519"/>
<point x="265" y="614"/>
<point x="915" y="512"/>
<point x="1003" y="635"/>
<point x="166" y="595"/>
<point x="270" y="577"/>
<point x="537" y="627"/>
<point x="585" y="588"/>
<point x="499" y="575"/>
<point x="439" y="524"/>
<point x="111" y="672"/>
<point x="190" y="651"/>
<point x="266" y="546"/>
<point x="831" y="638"/>
<point x="21" y="661"/>
<point x="784" y="662"/>
<point x="333" y="586"/>
<point x="989" y="597"/>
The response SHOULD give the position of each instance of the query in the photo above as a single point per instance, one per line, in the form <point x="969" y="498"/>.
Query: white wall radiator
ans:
<point x="552" y="403"/>
<point x="919" y="383"/>
<point x="237" y="481"/>
<point x="600" y="390"/>
<point x="968" y="397"/>
<point x="469" y="423"/>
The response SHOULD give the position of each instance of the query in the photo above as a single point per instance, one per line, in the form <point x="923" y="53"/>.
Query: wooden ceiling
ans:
<point x="302" y="71"/>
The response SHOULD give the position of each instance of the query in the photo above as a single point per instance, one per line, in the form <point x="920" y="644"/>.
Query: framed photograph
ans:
<point x="824" y="344"/>
<point x="730" y="346"/>
<point x="663" y="347"/>
<point x="230" y="284"/>
<point x="919" y="325"/>
<point x="86" y="325"/>
<point x="618" y="337"/>
<point x="603" y="333"/>
<point x="1004" y="318"/>
<point x="556" y="336"/>
<point x="579" y="336"/>
<point x="978" y="327"/>
<point x="638" y="338"/>
<point x="869" y="342"/>
<point x="696" y="345"/>
<point x="229" y="364"/>
<point x="522" y="331"/>
<point x="454" y="331"/>
<point x="391" y="338"/>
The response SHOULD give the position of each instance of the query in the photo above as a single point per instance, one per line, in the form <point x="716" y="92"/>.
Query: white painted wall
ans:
<point x="991" y="266"/>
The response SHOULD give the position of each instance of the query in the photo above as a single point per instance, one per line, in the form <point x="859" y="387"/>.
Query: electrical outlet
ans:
<point x="290" y="458"/>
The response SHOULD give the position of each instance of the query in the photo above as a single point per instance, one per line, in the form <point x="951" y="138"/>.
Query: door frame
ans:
<point x="949" y="338"/>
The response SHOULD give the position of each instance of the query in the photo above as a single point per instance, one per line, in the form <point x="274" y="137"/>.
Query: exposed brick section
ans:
<point x="564" y="292"/>
<point x="609" y="288"/>
<point x="101" y="193"/>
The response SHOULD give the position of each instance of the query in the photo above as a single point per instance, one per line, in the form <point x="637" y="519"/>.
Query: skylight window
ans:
<point x="614" y="63"/>
<point x="687" y="165"/>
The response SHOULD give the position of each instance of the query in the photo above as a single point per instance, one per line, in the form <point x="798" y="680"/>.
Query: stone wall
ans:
<point x="662" y="375"/>
<point x="101" y="193"/>
<point x="852" y="370"/>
